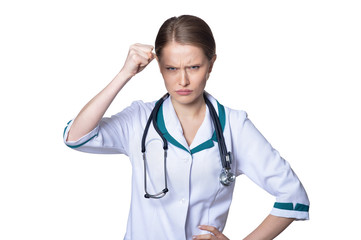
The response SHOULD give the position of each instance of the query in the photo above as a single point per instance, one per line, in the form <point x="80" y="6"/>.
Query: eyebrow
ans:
<point x="188" y="65"/>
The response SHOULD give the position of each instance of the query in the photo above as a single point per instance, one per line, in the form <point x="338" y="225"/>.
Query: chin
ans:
<point x="185" y="100"/>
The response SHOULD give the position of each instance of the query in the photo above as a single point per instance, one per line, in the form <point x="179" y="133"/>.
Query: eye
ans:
<point x="194" y="67"/>
<point x="171" y="68"/>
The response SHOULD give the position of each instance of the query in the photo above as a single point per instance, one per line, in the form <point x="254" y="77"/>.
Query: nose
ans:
<point x="184" y="80"/>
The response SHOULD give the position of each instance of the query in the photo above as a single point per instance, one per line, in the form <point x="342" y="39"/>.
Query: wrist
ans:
<point x="124" y="76"/>
<point x="118" y="82"/>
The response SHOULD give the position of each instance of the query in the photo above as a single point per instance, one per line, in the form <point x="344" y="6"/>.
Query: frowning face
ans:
<point x="185" y="70"/>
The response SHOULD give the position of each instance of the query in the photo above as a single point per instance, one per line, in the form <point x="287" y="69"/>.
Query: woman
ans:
<point x="193" y="202"/>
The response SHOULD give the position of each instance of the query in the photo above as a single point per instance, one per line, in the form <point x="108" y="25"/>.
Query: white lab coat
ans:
<point x="195" y="194"/>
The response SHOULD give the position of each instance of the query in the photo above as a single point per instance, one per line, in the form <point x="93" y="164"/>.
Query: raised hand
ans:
<point x="139" y="56"/>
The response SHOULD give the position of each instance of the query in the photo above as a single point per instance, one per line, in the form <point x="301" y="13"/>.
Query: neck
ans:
<point x="190" y="111"/>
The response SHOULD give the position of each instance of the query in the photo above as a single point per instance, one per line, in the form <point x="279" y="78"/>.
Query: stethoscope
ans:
<point x="226" y="177"/>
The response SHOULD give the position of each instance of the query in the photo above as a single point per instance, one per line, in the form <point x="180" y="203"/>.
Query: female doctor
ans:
<point x="175" y="151"/>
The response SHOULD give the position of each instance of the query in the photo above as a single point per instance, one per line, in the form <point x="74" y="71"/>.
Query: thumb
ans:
<point x="152" y="57"/>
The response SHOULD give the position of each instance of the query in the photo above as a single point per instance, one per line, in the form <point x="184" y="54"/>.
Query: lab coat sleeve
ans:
<point x="112" y="135"/>
<point x="258" y="160"/>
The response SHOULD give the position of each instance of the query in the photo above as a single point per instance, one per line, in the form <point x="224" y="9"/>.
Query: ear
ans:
<point x="211" y="63"/>
<point x="156" y="57"/>
<point x="158" y="60"/>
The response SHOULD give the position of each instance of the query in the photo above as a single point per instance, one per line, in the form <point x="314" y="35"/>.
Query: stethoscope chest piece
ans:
<point x="226" y="177"/>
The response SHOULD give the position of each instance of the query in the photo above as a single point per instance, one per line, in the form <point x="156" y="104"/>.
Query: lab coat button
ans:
<point x="182" y="201"/>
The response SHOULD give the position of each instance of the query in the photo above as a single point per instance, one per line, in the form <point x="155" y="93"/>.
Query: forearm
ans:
<point x="270" y="228"/>
<point x="89" y="117"/>
<point x="139" y="56"/>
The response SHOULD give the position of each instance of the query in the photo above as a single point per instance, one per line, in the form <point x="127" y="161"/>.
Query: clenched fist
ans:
<point x="139" y="56"/>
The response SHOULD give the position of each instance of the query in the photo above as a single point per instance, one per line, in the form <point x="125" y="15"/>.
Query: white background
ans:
<point x="292" y="65"/>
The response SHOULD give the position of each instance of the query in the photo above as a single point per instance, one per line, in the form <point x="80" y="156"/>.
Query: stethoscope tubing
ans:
<point x="226" y="177"/>
<point x="219" y="133"/>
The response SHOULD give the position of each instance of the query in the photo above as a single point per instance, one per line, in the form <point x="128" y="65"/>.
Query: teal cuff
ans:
<point x="289" y="206"/>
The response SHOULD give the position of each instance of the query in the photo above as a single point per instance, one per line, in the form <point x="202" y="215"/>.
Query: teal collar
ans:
<point x="205" y="145"/>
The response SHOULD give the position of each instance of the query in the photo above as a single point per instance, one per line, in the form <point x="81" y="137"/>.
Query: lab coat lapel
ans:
<point x="203" y="138"/>
<point x="172" y="123"/>
<point x="204" y="132"/>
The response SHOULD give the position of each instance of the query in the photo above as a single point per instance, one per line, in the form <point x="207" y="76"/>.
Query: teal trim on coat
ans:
<point x="67" y="125"/>
<point x="205" y="145"/>
<point x="301" y="207"/>
<point x="65" y="131"/>
<point x="79" y="145"/>
<point x="289" y="206"/>
<point x="202" y="146"/>
<point x="164" y="131"/>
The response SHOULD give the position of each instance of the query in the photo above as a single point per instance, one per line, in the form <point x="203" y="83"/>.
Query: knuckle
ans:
<point x="212" y="229"/>
<point x="132" y="53"/>
<point x="136" y="45"/>
<point x="209" y="236"/>
<point x="131" y="47"/>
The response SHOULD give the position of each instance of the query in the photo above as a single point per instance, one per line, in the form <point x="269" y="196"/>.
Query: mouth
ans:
<point x="184" y="92"/>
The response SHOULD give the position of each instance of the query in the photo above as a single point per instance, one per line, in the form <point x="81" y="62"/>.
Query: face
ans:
<point x="185" y="69"/>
